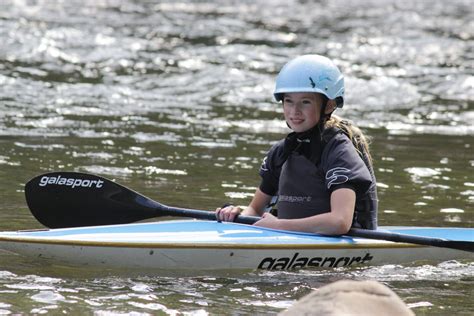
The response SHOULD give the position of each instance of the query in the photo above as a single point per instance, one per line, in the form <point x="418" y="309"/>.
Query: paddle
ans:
<point x="72" y="199"/>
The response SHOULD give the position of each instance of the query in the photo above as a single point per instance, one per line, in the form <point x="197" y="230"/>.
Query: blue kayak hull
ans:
<point x="204" y="245"/>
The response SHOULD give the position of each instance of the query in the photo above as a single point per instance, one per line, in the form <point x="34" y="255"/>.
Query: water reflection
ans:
<point x="174" y="100"/>
<point x="156" y="89"/>
<point x="115" y="65"/>
<point x="257" y="292"/>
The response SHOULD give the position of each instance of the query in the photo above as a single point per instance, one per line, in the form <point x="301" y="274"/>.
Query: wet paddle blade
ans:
<point x="71" y="199"/>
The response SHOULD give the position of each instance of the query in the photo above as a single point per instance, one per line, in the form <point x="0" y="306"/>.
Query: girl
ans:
<point x="322" y="171"/>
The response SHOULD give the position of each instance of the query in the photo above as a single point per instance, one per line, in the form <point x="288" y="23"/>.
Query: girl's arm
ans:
<point x="337" y="222"/>
<point x="257" y="205"/>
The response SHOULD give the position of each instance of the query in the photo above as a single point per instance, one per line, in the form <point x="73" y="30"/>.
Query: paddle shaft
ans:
<point x="412" y="239"/>
<point x="72" y="199"/>
<point x="353" y="232"/>
<point x="199" y="214"/>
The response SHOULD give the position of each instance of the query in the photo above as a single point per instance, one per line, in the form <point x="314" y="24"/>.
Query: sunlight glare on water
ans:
<point x="174" y="100"/>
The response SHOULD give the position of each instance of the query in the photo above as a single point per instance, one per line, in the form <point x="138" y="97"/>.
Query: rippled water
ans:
<point x="426" y="288"/>
<point x="173" y="99"/>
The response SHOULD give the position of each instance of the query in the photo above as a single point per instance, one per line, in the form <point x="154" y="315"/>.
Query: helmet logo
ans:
<point x="320" y="79"/>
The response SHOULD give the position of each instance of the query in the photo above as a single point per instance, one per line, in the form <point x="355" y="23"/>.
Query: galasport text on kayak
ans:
<point x="72" y="182"/>
<point x="297" y="262"/>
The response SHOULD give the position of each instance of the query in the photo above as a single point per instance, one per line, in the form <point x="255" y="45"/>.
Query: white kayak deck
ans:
<point x="196" y="244"/>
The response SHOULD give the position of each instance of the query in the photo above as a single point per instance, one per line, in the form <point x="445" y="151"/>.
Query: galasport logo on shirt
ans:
<point x="294" y="199"/>
<point x="70" y="182"/>
<point x="337" y="175"/>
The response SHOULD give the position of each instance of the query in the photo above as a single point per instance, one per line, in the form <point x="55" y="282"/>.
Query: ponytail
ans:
<point x="360" y="141"/>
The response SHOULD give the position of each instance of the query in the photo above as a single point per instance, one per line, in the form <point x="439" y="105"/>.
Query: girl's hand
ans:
<point x="228" y="213"/>
<point x="268" y="221"/>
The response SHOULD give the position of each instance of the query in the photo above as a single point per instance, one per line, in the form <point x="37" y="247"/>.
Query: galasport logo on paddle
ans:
<point x="298" y="262"/>
<point x="70" y="182"/>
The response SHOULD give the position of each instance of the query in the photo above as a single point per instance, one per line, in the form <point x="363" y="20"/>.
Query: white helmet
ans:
<point x="311" y="73"/>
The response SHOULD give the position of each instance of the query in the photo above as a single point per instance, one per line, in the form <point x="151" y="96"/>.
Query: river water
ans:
<point x="174" y="100"/>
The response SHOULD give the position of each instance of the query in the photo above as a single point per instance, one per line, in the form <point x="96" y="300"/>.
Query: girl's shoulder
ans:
<point x="276" y="152"/>
<point x="336" y="144"/>
<point x="334" y="137"/>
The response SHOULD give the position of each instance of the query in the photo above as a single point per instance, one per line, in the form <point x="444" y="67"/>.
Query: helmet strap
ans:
<point x="323" y="117"/>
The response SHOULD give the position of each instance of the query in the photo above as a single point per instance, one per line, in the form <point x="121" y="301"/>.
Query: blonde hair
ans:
<point x="361" y="142"/>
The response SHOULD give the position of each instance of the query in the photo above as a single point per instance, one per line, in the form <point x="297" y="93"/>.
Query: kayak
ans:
<point x="206" y="245"/>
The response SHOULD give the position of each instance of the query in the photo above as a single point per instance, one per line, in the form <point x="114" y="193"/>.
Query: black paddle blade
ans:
<point x="72" y="199"/>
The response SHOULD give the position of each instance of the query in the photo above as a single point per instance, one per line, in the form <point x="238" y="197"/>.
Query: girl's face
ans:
<point x="302" y="110"/>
